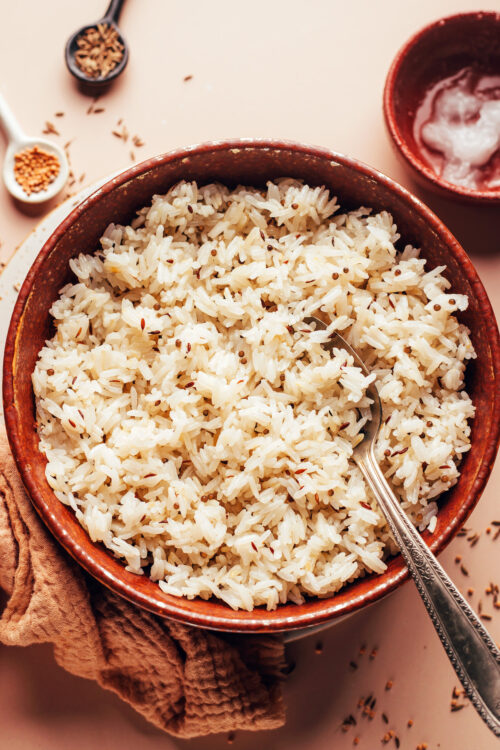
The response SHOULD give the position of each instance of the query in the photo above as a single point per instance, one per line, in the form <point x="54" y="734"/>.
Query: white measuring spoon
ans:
<point x="18" y="141"/>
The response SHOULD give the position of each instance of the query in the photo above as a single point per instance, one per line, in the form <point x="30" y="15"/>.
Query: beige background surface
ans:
<point x="312" y="72"/>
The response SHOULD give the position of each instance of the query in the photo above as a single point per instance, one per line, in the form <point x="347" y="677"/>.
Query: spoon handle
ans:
<point x="469" y="646"/>
<point x="9" y="123"/>
<point x="113" y="11"/>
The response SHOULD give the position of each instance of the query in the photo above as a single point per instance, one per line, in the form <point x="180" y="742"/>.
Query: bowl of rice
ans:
<point x="187" y="438"/>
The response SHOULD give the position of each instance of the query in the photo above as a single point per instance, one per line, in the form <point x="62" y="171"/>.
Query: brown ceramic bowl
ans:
<point x="436" y="52"/>
<point x="250" y="162"/>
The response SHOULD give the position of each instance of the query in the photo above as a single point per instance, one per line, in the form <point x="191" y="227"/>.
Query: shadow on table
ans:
<point x="475" y="226"/>
<point x="313" y="694"/>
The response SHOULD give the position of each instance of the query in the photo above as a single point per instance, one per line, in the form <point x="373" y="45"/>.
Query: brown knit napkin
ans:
<point x="187" y="681"/>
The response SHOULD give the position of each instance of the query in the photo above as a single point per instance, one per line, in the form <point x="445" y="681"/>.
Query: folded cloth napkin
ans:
<point x="187" y="681"/>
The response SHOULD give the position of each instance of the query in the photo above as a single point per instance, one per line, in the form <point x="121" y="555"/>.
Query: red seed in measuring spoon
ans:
<point x="457" y="128"/>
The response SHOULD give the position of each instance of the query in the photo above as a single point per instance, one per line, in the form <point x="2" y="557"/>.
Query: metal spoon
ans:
<point x="111" y="19"/>
<point x="469" y="646"/>
<point x="18" y="141"/>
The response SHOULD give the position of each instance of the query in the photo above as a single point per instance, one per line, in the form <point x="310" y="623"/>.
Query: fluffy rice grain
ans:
<point x="202" y="437"/>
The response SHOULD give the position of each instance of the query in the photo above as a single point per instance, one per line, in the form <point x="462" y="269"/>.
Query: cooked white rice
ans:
<point x="205" y="440"/>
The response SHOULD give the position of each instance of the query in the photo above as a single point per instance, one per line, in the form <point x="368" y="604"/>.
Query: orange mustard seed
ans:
<point x="35" y="169"/>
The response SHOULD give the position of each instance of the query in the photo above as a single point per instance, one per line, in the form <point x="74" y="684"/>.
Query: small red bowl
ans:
<point x="435" y="53"/>
<point x="249" y="162"/>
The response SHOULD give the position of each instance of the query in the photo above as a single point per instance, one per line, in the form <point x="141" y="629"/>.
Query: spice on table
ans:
<point x="99" y="51"/>
<point x="35" y="169"/>
<point x="50" y="129"/>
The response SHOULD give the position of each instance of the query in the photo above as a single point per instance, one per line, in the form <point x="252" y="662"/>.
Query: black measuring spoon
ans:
<point x="99" y="82"/>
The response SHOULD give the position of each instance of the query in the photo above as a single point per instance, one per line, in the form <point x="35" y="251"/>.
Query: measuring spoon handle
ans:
<point x="113" y="11"/>
<point x="9" y="123"/>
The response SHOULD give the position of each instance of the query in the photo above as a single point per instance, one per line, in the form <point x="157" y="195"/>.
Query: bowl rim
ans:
<point x="224" y="618"/>
<point x="417" y="165"/>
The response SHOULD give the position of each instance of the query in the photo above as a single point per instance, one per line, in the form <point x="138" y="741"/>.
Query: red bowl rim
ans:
<point x="485" y="197"/>
<point x="224" y="618"/>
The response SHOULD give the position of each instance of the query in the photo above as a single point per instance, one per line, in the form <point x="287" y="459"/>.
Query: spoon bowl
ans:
<point x="99" y="82"/>
<point x="52" y="189"/>
<point x="18" y="141"/>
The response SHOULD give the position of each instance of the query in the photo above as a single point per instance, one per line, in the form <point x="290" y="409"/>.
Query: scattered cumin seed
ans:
<point x="373" y="653"/>
<point x="399" y="453"/>
<point x="50" y="129"/>
<point x="353" y="665"/>
<point x="230" y="737"/>
<point x="388" y="684"/>
<point x="464" y="570"/>
<point x="187" y="78"/>
<point x="318" y="649"/>
<point x="484" y="616"/>
<point x="409" y="723"/>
